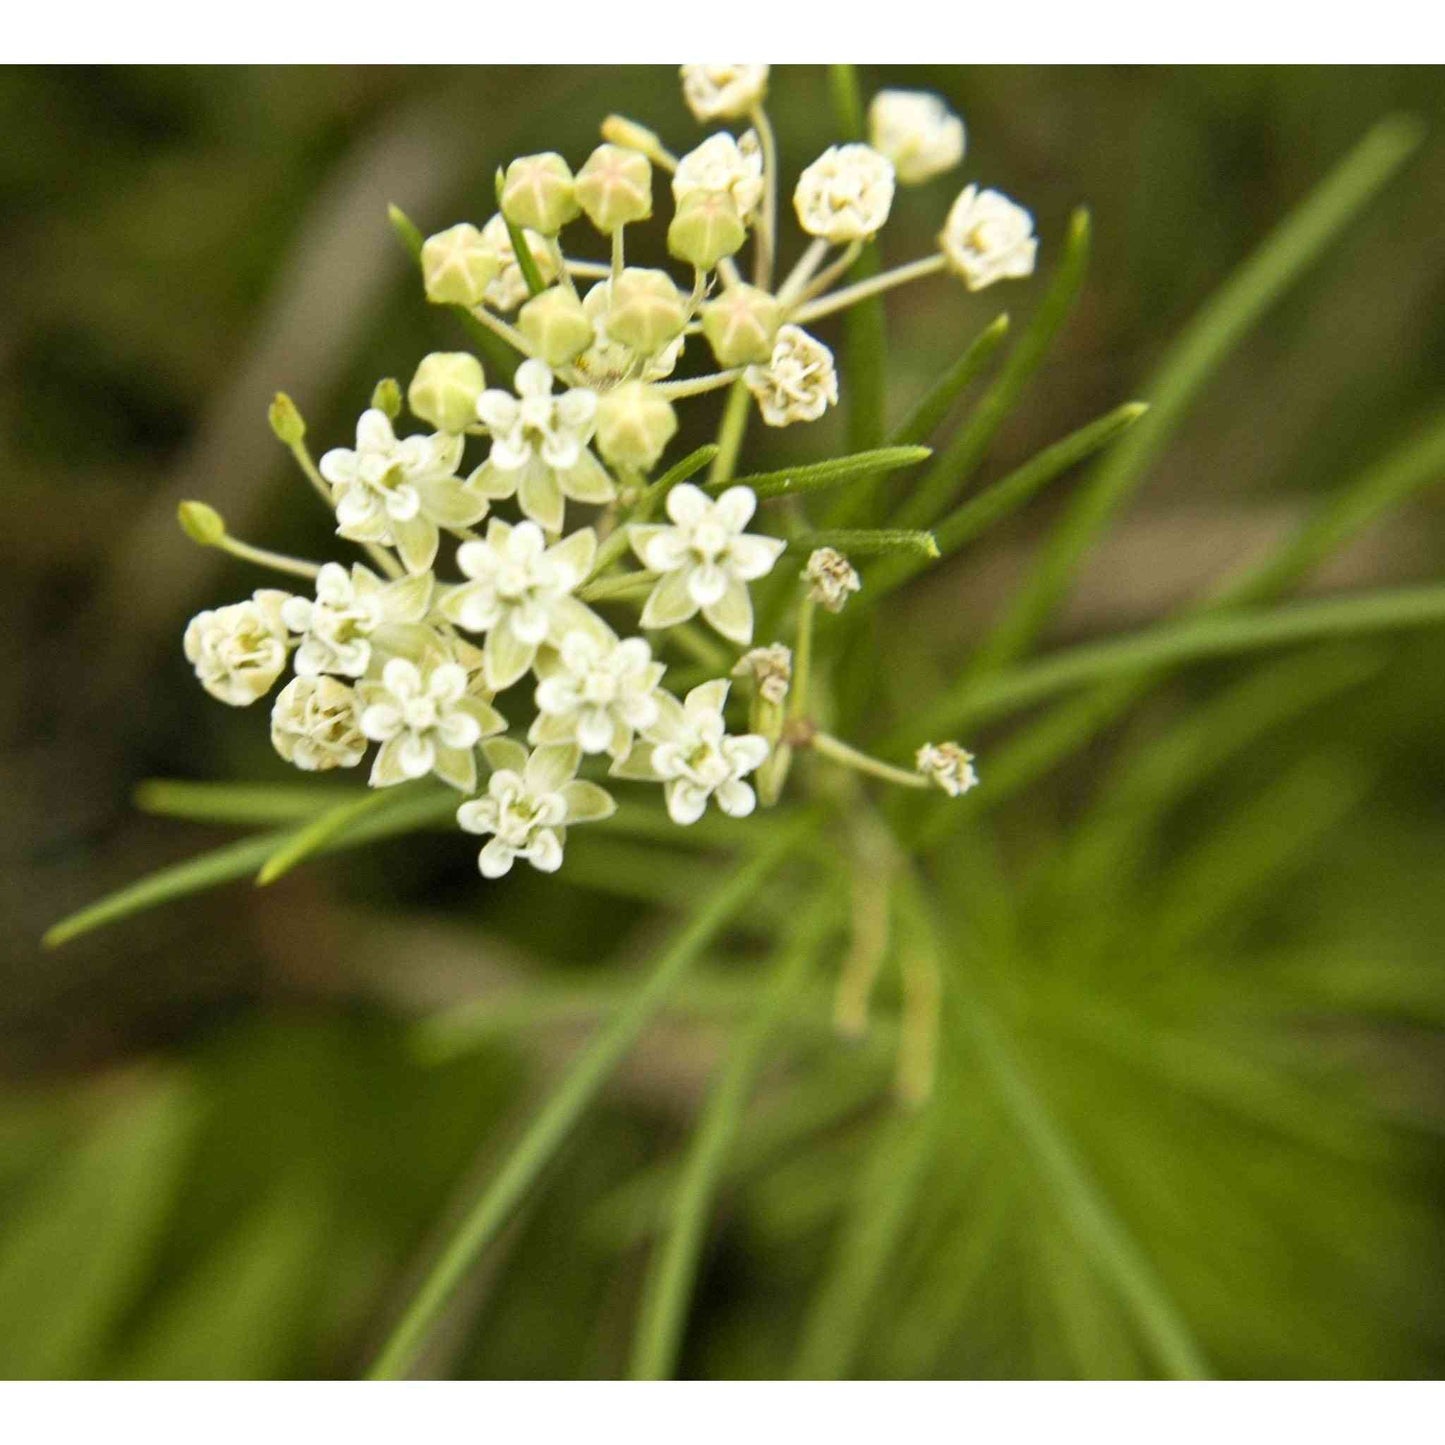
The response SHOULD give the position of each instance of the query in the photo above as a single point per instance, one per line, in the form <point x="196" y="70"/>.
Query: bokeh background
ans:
<point x="221" y="1152"/>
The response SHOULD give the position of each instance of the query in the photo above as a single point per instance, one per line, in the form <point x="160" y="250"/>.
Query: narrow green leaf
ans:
<point x="938" y="401"/>
<point x="559" y="1115"/>
<point x="868" y="542"/>
<point x="332" y="824"/>
<point x="242" y="803"/>
<point x="846" y="95"/>
<point x="958" y="461"/>
<point x="526" y="262"/>
<point x="816" y="475"/>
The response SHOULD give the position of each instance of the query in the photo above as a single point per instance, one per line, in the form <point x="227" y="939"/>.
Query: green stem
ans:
<point x="860" y="762"/>
<point x="277" y="561"/>
<point x="730" y="433"/>
<point x="802" y="659"/>
<point x="847" y="296"/>
<point x="550" y="1128"/>
<point x="767" y="233"/>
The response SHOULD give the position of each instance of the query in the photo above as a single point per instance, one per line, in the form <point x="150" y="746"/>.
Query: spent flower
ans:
<point x="316" y="724"/>
<point x="799" y="381"/>
<point x="846" y="194"/>
<point x="917" y="132"/>
<point x="988" y="238"/>
<point x="947" y="766"/>
<point x="831" y="577"/>
<point x="723" y="92"/>
<point x="240" y="650"/>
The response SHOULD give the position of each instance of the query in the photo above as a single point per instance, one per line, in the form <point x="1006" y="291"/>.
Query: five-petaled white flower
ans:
<point x="988" y="238"/>
<point x="426" y="721"/>
<point x="316" y="724"/>
<point x="539" y="446"/>
<point x="723" y="92"/>
<point x="917" y="132"/>
<point x="799" y="383"/>
<point x="519" y="593"/>
<point x="351" y="610"/>
<point x="596" y="690"/>
<point x="400" y="492"/>
<point x="706" y="560"/>
<point x="608" y="360"/>
<point x="508" y="288"/>
<point x="240" y="650"/>
<point x="947" y="766"/>
<point x="529" y="803"/>
<point x="846" y="194"/>
<point x="723" y="166"/>
<point x="690" y="751"/>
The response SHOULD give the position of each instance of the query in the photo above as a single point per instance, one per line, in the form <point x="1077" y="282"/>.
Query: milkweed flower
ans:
<point x="400" y="492"/>
<point x="316" y="724"/>
<point x="238" y="651"/>
<point x="539" y="446"/>
<point x="530" y="801"/>
<point x="988" y="238"/>
<point x="947" y="766"/>
<point x="350" y="610"/>
<point x="722" y="165"/>
<point x="846" y="194"/>
<point x="518" y="591"/>
<point x="689" y="750"/>
<point x="917" y="132"/>
<point x="426" y="721"/>
<point x="723" y="92"/>
<point x="706" y="560"/>
<point x="831" y="578"/>
<point x="799" y="382"/>
<point x="596" y="690"/>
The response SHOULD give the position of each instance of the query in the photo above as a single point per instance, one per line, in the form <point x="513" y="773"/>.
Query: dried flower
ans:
<point x="988" y="238"/>
<point x="947" y="766"/>
<point x="845" y="195"/>
<point x="771" y="670"/>
<point x="240" y="650"/>
<point x="831" y="578"/>
<point x="723" y="92"/>
<point x="917" y="132"/>
<point x="316" y="724"/>
<point x="722" y="166"/>
<point x="799" y="383"/>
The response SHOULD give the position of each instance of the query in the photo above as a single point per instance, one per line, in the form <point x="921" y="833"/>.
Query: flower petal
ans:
<point x="669" y="603"/>
<point x="732" y="613"/>
<point x="586" y="802"/>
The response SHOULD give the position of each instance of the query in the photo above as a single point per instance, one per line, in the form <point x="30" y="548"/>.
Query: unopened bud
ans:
<point x="706" y="228"/>
<point x="556" y="325"/>
<point x="635" y="422"/>
<point x="614" y="187"/>
<point x="741" y="326"/>
<point x="458" y="265"/>
<point x="386" y="397"/>
<point x="445" y="389"/>
<point x="201" y="523"/>
<point x="539" y="193"/>
<point x="285" y="420"/>
<point x="646" y="310"/>
<point x="631" y="136"/>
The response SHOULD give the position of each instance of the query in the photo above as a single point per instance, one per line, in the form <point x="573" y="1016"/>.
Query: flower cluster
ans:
<point x="520" y="615"/>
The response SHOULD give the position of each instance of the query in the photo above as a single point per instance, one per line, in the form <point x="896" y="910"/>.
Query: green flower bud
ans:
<point x="286" y="420"/>
<point x="741" y="326"/>
<point x="646" y="310"/>
<point x="556" y="325"/>
<point x="201" y="523"/>
<point x="706" y="228"/>
<point x="445" y="389"/>
<point x="386" y="397"/>
<point x="635" y="422"/>
<point x="457" y="266"/>
<point x="539" y="193"/>
<point x="627" y="133"/>
<point x="614" y="187"/>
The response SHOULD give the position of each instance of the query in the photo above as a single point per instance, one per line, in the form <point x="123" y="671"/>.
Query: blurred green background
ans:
<point x="221" y="1152"/>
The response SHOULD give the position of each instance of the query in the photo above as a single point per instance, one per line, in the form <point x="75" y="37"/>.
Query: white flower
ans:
<point x="316" y="724"/>
<point x="722" y="165"/>
<point x="721" y="92"/>
<point x="508" y="289"/>
<point x="831" y="578"/>
<point x="607" y="360"/>
<point x="519" y="593"/>
<point x="596" y="691"/>
<point x="917" y="132"/>
<point x="399" y="492"/>
<point x="947" y="766"/>
<point x="689" y="750"/>
<point x="799" y="383"/>
<point x="426" y="721"/>
<point x="539" y="446"/>
<point x="350" y="609"/>
<point x="529" y="802"/>
<point x="771" y="669"/>
<point x="240" y="650"/>
<point x="706" y="560"/>
<point x="988" y="238"/>
<point x="845" y="195"/>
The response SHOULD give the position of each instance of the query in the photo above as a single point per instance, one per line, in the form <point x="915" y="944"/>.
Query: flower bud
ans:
<point x="202" y="524"/>
<point x="635" y="422"/>
<point x="285" y="420"/>
<point x="614" y="187"/>
<point x="620" y="131"/>
<point x="706" y="228"/>
<point x="445" y="389"/>
<point x="741" y="325"/>
<point x="458" y="265"/>
<point x="646" y="310"/>
<point x="556" y="325"/>
<point x="386" y="397"/>
<point x="539" y="193"/>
